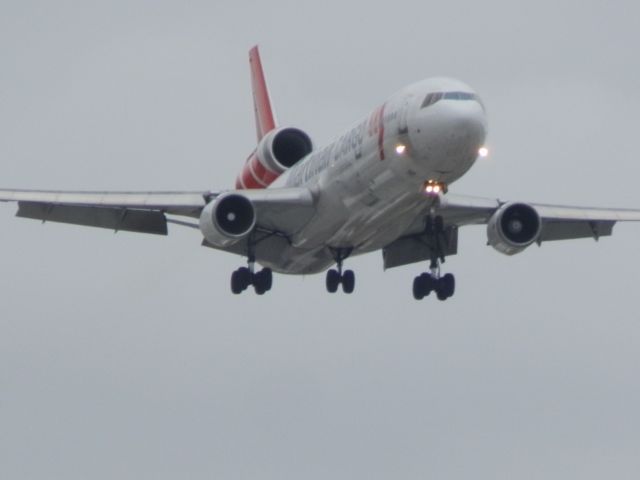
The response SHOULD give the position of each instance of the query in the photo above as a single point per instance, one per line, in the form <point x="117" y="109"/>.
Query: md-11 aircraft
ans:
<point x="382" y="185"/>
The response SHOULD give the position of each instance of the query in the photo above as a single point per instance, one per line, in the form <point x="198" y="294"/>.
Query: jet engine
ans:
<point x="513" y="227"/>
<point x="227" y="219"/>
<point x="279" y="150"/>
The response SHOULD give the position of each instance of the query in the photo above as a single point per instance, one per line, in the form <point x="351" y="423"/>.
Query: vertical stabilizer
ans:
<point x="265" y="121"/>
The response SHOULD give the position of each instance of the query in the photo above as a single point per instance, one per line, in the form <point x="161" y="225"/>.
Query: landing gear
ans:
<point x="425" y="283"/>
<point x="333" y="280"/>
<point x="444" y="286"/>
<point x="242" y="278"/>
<point x="335" y="277"/>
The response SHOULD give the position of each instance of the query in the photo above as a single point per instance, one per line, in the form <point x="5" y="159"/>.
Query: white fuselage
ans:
<point x="369" y="183"/>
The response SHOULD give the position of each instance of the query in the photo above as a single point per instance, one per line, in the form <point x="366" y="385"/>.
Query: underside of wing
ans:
<point x="274" y="216"/>
<point x="142" y="212"/>
<point x="277" y="211"/>
<point x="530" y="222"/>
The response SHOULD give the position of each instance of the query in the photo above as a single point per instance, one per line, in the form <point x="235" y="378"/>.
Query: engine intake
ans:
<point x="513" y="227"/>
<point x="289" y="146"/>
<point x="279" y="150"/>
<point x="228" y="219"/>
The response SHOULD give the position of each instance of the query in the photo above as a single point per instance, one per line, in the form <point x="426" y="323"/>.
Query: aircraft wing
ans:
<point x="558" y="223"/>
<point x="281" y="210"/>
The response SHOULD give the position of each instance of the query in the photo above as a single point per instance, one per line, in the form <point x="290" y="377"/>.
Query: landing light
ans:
<point x="483" y="152"/>
<point x="401" y="149"/>
<point x="432" y="187"/>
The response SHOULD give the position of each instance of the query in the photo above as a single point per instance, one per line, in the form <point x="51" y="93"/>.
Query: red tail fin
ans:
<point x="265" y="121"/>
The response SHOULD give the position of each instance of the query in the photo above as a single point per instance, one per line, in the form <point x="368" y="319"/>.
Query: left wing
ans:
<point x="282" y="210"/>
<point x="129" y="211"/>
<point x="557" y="223"/>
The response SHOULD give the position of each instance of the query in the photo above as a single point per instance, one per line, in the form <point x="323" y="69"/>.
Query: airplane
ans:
<point x="382" y="185"/>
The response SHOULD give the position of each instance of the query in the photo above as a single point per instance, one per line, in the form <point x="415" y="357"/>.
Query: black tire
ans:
<point x="348" y="281"/>
<point x="236" y="282"/>
<point x="332" y="281"/>
<point x="449" y="284"/>
<point x="441" y="296"/>
<point x="268" y="278"/>
<point x="244" y="276"/>
<point x="428" y="284"/>
<point x="418" y="288"/>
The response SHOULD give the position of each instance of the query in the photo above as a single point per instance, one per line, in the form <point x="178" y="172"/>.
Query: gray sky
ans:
<point x="126" y="356"/>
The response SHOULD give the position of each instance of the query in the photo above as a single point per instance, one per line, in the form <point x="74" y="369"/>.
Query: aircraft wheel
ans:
<point x="268" y="278"/>
<point x="449" y="284"/>
<point x="348" y="281"/>
<point x="244" y="275"/>
<point x="428" y="284"/>
<point x="445" y="286"/>
<point x="418" y="290"/>
<point x="332" y="280"/>
<point x="263" y="281"/>
<point x="259" y="283"/>
<point x="236" y="282"/>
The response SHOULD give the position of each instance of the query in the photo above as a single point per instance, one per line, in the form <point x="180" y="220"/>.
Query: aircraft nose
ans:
<point x="464" y="121"/>
<point x="450" y="128"/>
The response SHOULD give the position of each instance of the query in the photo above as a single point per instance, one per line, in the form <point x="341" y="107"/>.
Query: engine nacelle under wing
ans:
<point x="513" y="227"/>
<point x="279" y="150"/>
<point x="226" y="220"/>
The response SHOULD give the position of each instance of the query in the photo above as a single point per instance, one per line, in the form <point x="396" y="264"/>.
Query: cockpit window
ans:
<point x="434" y="97"/>
<point x="431" y="99"/>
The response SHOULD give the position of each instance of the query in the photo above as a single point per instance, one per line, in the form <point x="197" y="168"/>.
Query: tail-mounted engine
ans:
<point x="279" y="150"/>
<point x="513" y="227"/>
<point x="227" y="219"/>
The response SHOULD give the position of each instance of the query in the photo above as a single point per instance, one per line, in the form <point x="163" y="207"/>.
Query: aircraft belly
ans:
<point x="365" y="220"/>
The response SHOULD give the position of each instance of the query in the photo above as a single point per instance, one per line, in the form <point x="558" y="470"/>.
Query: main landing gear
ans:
<point x="335" y="277"/>
<point x="426" y="283"/>
<point x="432" y="281"/>
<point x="242" y="278"/>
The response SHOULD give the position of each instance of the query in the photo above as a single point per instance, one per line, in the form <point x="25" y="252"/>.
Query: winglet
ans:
<point x="265" y="119"/>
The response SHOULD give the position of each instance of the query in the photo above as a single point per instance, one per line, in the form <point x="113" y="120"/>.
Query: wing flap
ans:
<point x="141" y="221"/>
<point x="573" y="229"/>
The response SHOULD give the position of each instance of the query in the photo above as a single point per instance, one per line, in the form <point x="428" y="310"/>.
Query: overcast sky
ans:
<point x="126" y="356"/>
